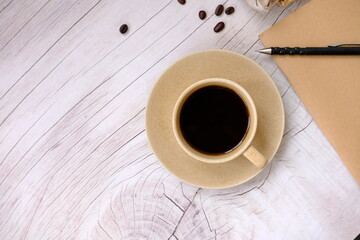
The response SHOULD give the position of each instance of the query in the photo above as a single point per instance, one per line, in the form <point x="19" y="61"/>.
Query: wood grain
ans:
<point x="74" y="158"/>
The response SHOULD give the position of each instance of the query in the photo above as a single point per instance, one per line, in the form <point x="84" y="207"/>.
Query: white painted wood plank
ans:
<point x="74" y="157"/>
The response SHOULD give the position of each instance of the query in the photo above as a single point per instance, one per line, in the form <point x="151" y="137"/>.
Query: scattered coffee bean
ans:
<point x="220" y="26"/>
<point x="202" y="15"/>
<point x="182" y="2"/>
<point x="124" y="28"/>
<point x="219" y="10"/>
<point x="230" y="10"/>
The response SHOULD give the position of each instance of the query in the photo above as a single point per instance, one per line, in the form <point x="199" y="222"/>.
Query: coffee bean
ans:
<point x="124" y="28"/>
<point x="202" y="15"/>
<point x="182" y="2"/>
<point x="220" y="26"/>
<point x="219" y="10"/>
<point x="230" y="10"/>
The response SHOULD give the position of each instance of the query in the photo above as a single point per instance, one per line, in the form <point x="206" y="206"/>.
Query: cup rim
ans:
<point x="245" y="142"/>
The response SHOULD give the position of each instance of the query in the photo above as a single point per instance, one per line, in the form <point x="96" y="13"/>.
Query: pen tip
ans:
<point x="264" y="50"/>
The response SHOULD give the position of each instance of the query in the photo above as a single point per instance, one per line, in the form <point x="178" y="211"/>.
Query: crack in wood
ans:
<point x="103" y="228"/>
<point x="301" y="130"/>
<point x="153" y="217"/>
<point x="289" y="131"/>
<point x="183" y="214"/>
<point x="280" y="15"/>
<point x="298" y="105"/>
<point x="230" y="229"/>
<point x="182" y="190"/>
<point x="206" y="218"/>
<point x="114" y="219"/>
<point x="277" y="67"/>
<point x="300" y="2"/>
<point x="286" y="91"/>
<point x="238" y="31"/>
<point x="161" y="219"/>
<point x="251" y="46"/>
<point x="225" y="34"/>
<point x="177" y="205"/>
<point x="256" y="187"/>
<point x="234" y="194"/>
<point x="7" y="5"/>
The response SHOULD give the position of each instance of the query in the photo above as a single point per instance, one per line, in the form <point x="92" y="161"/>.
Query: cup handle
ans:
<point x="255" y="157"/>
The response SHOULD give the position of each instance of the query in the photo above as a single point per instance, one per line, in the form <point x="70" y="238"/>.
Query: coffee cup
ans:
<point x="215" y="121"/>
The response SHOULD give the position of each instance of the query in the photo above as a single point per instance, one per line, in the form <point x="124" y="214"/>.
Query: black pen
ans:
<point x="340" y="49"/>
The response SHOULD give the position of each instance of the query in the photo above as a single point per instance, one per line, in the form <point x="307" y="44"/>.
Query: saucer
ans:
<point x="196" y="67"/>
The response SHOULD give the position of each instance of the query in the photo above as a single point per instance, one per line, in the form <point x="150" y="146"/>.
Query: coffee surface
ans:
<point x="214" y="120"/>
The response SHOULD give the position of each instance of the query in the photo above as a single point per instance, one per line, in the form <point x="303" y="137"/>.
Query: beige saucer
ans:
<point x="213" y="64"/>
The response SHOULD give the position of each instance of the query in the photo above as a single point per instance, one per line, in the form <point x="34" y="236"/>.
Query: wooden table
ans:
<point x="75" y="162"/>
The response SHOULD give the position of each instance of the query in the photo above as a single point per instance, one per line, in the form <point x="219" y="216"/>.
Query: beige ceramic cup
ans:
<point x="244" y="148"/>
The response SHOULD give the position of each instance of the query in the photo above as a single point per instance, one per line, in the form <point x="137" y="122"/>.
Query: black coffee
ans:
<point x="214" y="120"/>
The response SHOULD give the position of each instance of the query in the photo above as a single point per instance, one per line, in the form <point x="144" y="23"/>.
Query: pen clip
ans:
<point x="344" y="45"/>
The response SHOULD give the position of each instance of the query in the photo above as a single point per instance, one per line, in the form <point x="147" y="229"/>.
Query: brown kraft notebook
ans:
<point x="329" y="86"/>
